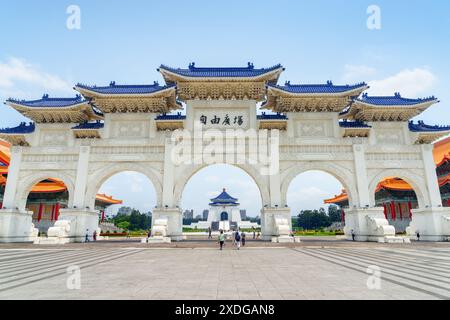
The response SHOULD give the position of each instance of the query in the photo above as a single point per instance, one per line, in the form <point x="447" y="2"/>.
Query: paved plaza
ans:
<point x="197" y="270"/>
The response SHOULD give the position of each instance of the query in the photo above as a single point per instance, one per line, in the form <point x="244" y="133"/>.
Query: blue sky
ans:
<point x="315" y="40"/>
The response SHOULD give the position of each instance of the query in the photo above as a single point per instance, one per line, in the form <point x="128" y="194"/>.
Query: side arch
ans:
<point x="99" y="178"/>
<point x="190" y="171"/>
<point x="415" y="181"/>
<point x="30" y="180"/>
<point x="342" y="174"/>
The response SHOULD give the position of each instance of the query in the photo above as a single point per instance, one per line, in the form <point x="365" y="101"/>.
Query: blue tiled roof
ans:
<point x="422" y="127"/>
<point x="47" y="102"/>
<point x="329" y="87"/>
<point x="277" y="116"/>
<point x="177" y="116"/>
<point x="224" y="199"/>
<point x="396" y="100"/>
<point x="113" y="88"/>
<point x="89" y="125"/>
<point x="221" y="72"/>
<point x="23" y="128"/>
<point x="353" y="124"/>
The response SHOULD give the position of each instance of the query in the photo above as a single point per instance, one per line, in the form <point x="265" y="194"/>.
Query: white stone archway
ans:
<point x="99" y="178"/>
<point x="30" y="180"/>
<point x="342" y="174"/>
<point x="414" y="180"/>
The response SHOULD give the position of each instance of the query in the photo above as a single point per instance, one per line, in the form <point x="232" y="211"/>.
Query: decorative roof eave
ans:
<point x="79" y="112"/>
<point x="355" y="132"/>
<point x="368" y="112"/>
<point x="363" y="111"/>
<point x="17" y="136"/>
<point x="90" y="92"/>
<point x="353" y="91"/>
<point x="173" y="77"/>
<point x="429" y="137"/>
<point x="281" y="100"/>
<point x="161" y="101"/>
<point x="15" y="139"/>
<point x="169" y="125"/>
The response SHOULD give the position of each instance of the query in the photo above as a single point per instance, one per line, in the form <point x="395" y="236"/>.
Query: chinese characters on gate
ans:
<point x="226" y="121"/>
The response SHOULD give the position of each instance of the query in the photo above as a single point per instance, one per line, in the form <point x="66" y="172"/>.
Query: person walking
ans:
<point x="221" y="239"/>
<point x="418" y="236"/>
<point x="353" y="235"/>
<point x="237" y="239"/>
<point x="243" y="239"/>
<point x="94" y="236"/>
<point x="87" y="236"/>
<point x="254" y="233"/>
<point x="209" y="233"/>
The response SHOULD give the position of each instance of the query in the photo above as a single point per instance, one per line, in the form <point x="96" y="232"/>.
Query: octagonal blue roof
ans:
<point x="221" y="72"/>
<point x="396" y="100"/>
<point x="224" y="199"/>
<point x="329" y="87"/>
<point x="113" y="88"/>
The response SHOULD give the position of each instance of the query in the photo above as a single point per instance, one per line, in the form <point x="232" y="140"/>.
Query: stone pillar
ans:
<point x="275" y="189"/>
<point x="361" y="176"/>
<point x="15" y="222"/>
<point x="269" y="228"/>
<point x="9" y="199"/>
<point x="82" y="177"/>
<point x="174" y="219"/>
<point x="432" y="223"/>
<point x="168" y="175"/>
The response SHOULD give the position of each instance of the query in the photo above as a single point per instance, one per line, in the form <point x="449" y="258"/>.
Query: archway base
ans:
<point x="73" y="225"/>
<point x="174" y="218"/>
<point x="432" y="224"/>
<point x="276" y="222"/>
<point x="16" y="226"/>
<point x="368" y="224"/>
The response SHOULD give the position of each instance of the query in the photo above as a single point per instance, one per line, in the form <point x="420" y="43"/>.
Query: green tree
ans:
<point x="125" y="225"/>
<point x="313" y="219"/>
<point x="334" y="212"/>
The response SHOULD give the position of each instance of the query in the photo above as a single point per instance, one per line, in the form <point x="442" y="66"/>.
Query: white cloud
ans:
<point x="17" y="74"/>
<point x="357" y="73"/>
<point x="409" y="82"/>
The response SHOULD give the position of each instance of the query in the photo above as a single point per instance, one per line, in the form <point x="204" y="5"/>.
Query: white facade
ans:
<point x="311" y="141"/>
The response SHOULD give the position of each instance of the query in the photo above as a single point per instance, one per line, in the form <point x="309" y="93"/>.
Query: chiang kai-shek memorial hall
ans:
<point x="339" y="129"/>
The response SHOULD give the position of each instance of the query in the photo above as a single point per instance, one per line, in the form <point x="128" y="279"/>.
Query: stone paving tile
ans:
<point x="255" y="274"/>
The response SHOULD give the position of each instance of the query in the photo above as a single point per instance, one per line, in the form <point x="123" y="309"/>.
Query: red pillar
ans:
<point x="52" y="213"/>
<point x="448" y="203"/>
<point x="1" y="205"/>
<point x="56" y="211"/>
<point x="410" y="209"/>
<point x="393" y="212"/>
<point x="385" y="210"/>
<point x="400" y="211"/>
<point x="103" y="216"/>
<point x="343" y="215"/>
<point x="41" y="209"/>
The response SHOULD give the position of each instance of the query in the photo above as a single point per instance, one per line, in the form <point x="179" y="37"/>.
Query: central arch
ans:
<point x="189" y="172"/>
